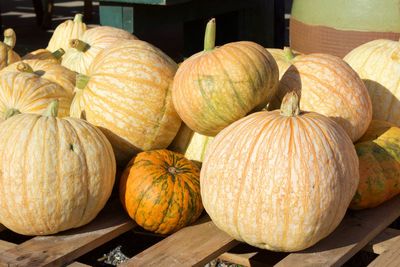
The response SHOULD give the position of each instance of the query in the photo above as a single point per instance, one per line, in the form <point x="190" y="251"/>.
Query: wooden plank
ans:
<point x="355" y="231"/>
<point x="63" y="248"/>
<point x="5" y="245"/>
<point x="194" y="245"/>
<point x="389" y="258"/>
<point x="78" y="264"/>
<point x="384" y="241"/>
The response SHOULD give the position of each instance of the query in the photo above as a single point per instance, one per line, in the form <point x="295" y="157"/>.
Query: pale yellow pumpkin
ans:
<point x="378" y="64"/>
<point x="283" y="57"/>
<point x="7" y="55"/>
<point x="329" y="86"/>
<point x="56" y="173"/>
<point x="127" y="94"/>
<point x="25" y="92"/>
<point x="44" y="54"/>
<point x="47" y="69"/>
<point x="197" y="147"/>
<point x="69" y="29"/>
<point x="82" y="51"/>
<point x="280" y="180"/>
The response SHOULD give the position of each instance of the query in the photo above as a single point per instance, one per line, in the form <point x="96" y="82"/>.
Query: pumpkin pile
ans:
<point x="274" y="145"/>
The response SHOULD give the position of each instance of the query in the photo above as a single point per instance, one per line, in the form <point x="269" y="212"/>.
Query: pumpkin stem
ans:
<point x="288" y="53"/>
<point x="290" y="105"/>
<point x="78" y="17"/>
<point x="11" y="112"/>
<point x="79" y="45"/>
<point x="172" y="170"/>
<point x="81" y="81"/>
<point x="52" y="109"/>
<point x="209" y="37"/>
<point x="10" y="37"/>
<point x="24" y="67"/>
<point x="58" y="53"/>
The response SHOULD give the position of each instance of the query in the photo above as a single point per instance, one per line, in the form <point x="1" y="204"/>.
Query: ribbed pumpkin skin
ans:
<point x="279" y="183"/>
<point x="98" y="38"/>
<point x="379" y="167"/>
<point x="7" y="56"/>
<point x="51" y="71"/>
<point x="157" y="199"/>
<point x="56" y="173"/>
<point x="64" y="32"/>
<point x="328" y="85"/>
<point x="42" y="54"/>
<point x="214" y="88"/>
<point x="128" y="96"/>
<point x="29" y="93"/>
<point x="378" y="64"/>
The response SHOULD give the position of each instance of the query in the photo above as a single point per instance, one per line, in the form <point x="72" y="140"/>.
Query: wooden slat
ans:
<point x="63" y="248"/>
<point x="389" y="258"/>
<point x="355" y="231"/>
<point x="192" y="246"/>
<point x="384" y="241"/>
<point x="78" y="264"/>
<point x="5" y="245"/>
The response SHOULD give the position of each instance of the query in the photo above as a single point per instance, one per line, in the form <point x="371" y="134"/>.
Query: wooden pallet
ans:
<point x="202" y="242"/>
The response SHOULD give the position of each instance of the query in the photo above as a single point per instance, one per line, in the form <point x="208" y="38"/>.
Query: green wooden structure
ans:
<point x="178" y="25"/>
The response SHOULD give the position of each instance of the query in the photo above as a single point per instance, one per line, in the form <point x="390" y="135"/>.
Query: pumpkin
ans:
<point x="160" y="190"/>
<point x="7" y="55"/>
<point x="82" y="51"/>
<point x="378" y="64"/>
<point x="48" y="70"/>
<point x="44" y="54"/>
<point x="69" y="29"/>
<point x="61" y="176"/>
<point x="26" y="92"/>
<point x="218" y="86"/>
<point x="329" y="86"/>
<point x="279" y="180"/>
<point x="283" y="57"/>
<point x="127" y="94"/>
<point x="197" y="147"/>
<point x="379" y="156"/>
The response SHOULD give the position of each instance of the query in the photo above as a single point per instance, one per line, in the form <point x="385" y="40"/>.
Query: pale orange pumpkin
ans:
<point x="127" y="94"/>
<point x="44" y="54"/>
<point x="280" y="180"/>
<point x="7" y="55"/>
<point x="378" y="64"/>
<point x="82" y="51"/>
<point x="61" y="174"/>
<point x="329" y="86"/>
<point x="283" y="57"/>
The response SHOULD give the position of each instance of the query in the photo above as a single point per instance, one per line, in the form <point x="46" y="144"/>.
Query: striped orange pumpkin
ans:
<point x="7" y="55"/>
<point x="329" y="86"/>
<point x="218" y="86"/>
<point x="378" y="64"/>
<point x="56" y="174"/>
<point x="160" y="190"/>
<point x="127" y="94"/>
<point x="279" y="180"/>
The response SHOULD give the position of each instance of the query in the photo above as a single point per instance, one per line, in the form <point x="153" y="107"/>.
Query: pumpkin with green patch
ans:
<point x="379" y="158"/>
<point x="160" y="190"/>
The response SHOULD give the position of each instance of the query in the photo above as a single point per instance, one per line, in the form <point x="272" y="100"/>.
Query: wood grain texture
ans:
<point x="63" y="248"/>
<point x="194" y="245"/>
<point x="384" y="241"/>
<point x="389" y="258"/>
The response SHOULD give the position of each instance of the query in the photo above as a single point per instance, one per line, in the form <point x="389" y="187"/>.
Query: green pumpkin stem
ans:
<point x="11" y="112"/>
<point x="52" y="109"/>
<point x="58" y="53"/>
<point x="209" y="37"/>
<point x="288" y="53"/>
<point x="81" y="81"/>
<point x="24" y="67"/>
<point x="10" y="38"/>
<point x="79" y="45"/>
<point x="290" y="105"/>
<point x="78" y="17"/>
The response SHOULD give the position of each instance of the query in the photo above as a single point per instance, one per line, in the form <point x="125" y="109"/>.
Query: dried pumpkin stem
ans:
<point x="58" y="53"/>
<point x="81" y="81"/>
<point x="24" y="67"/>
<point x="10" y="38"/>
<point x="79" y="45"/>
<point x="290" y="105"/>
<point x="11" y="112"/>
<point x="78" y="17"/>
<point x="209" y="37"/>
<point x="288" y="53"/>
<point x="52" y="109"/>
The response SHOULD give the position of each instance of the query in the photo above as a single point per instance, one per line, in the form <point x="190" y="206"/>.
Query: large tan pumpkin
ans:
<point x="24" y="92"/>
<point x="56" y="174"/>
<point x="49" y="70"/>
<point x="82" y="51"/>
<point x="378" y="64"/>
<point x="283" y="57"/>
<point x="127" y="94"/>
<point x="279" y="180"/>
<point x="7" y="55"/>
<point x="329" y="86"/>
<point x="220" y="85"/>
